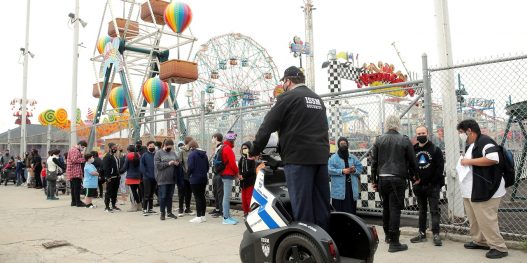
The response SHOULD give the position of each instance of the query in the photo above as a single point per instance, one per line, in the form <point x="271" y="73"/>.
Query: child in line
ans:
<point x="247" y="166"/>
<point x="91" y="180"/>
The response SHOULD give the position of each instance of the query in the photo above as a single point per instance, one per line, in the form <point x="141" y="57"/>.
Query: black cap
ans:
<point x="292" y="72"/>
<point x="110" y="145"/>
<point x="139" y="142"/>
<point x="83" y="143"/>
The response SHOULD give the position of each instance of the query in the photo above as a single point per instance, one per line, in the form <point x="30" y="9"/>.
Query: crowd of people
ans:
<point x="142" y="172"/>
<point x="315" y="182"/>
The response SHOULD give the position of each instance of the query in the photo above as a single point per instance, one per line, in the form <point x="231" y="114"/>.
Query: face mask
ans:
<point x="168" y="149"/>
<point x="343" y="148"/>
<point x="151" y="150"/>
<point x="245" y="151"/>
<point x="114" y="150"/>
<point x="91" y="160"/>
<point x="214" y="140"/>
<point x="422" y="138"/>
<point x="463" y="137"/>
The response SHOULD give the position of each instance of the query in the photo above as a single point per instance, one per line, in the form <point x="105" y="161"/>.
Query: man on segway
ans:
<point x="299" y="116"/>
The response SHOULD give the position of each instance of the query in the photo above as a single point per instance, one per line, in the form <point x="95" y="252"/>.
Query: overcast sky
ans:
<point x="479" y="29"/>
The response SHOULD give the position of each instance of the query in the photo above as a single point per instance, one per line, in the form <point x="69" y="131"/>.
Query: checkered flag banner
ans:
<point x="349" y="72"/>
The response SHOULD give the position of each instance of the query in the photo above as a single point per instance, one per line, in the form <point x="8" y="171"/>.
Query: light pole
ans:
<point x="75" y="20"/>
<point x="25" y="52"/>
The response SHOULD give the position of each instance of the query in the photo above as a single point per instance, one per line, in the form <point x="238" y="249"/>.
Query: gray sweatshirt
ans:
<point x="165" y="173"/>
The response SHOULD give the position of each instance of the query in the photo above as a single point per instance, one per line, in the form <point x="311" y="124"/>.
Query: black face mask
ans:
<point x="151" y="149"/>
<point x="343" y="148"/>
<point x="422" y="139"/>
<point x="114" y="151"/>
<point x="168" y="149"/>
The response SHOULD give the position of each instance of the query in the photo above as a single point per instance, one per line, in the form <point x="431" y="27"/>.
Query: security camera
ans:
<point x="83" y="23"/>
<point x="71" y="15"/>
<point x="31" y="54"/>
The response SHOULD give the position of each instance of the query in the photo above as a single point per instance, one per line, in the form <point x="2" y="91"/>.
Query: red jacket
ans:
<point x="229" y="159"/>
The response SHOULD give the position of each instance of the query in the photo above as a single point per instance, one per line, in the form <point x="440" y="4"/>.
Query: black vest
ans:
<point x="485" y="179"/>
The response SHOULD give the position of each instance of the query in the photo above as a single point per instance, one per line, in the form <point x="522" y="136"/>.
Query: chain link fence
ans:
<point x="492" y="93"/>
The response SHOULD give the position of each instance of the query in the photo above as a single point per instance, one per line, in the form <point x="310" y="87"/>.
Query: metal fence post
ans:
<point x="202" y="117"/>
<point x="428" y="95"/>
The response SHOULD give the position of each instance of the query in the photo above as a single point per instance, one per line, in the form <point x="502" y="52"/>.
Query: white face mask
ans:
<point x="214" y="140"/>
<point x="245" y="151"/>
<point x="463" y="136"/>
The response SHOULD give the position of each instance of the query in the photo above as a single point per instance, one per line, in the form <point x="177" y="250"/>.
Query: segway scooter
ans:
<point x="273" y="236"/>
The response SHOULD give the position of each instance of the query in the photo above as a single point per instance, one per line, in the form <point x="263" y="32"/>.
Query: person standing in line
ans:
<point x="75" y="173"/>
<point x="247" y="168"/>
<point x="133" y="178"/>
<point x="393" y="162"/>
<point x="147" y="168"/>
<point x="165" y="161"/>
<point x="27" y="170"/>
<point x="217" y="183"/>
<point x="111" y="166"/>
<point x="198" y="168"/>
<point x="184" y="190"/>
<point x="344" y="170"/>
<point x="36" y="166"/>
<point x="55" y="168"/>
<point x="228" y="175"/>
<point x="19" y="171"/>
<point x="482" y="189"/>
<point x="431" y="167"/>
<point x="98" y="165"/>
<point x="90" y="180"/>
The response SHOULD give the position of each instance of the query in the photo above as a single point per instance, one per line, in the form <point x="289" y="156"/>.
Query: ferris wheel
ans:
<point x="234" y="71"/>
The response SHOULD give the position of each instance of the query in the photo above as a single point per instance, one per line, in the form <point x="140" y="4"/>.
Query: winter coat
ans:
<point x="147" y="166"/>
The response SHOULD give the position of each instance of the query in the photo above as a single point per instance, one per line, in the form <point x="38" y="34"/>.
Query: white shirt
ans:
<point x="466" y="183"/>
<point x="51" y="166"/>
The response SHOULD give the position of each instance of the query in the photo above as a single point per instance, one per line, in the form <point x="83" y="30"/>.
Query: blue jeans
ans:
<point x="166" y="192"/>
<point x="308" y="187"/>
<point x="227" y="189"/>
<point x="19" y="177"/>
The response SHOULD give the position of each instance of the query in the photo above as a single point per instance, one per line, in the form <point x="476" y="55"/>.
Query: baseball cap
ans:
<point x="138" y="142"/>
<point x="292" y="72"/>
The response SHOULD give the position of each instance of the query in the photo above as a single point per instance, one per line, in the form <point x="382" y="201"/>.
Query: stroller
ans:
<point x="62" y="185"/>
<point x="8" y="174"/>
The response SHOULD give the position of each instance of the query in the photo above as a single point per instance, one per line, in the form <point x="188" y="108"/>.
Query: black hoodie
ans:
<point x="430" y="163"/>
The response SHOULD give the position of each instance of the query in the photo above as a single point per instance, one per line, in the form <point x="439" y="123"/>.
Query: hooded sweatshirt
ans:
<point x="231" y="169"/>
<point x="165" y="173"/>
<point x="198" y="166"/>
<point x="147" y="165"/>
<point x="431" y="164"/>
<point x="247" y="170"/>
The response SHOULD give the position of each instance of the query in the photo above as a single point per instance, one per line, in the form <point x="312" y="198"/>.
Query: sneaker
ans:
<point x="150" y="211"/>
<point x="234" y="219"/>
<point x="493" y="253"/>
<point x="189" y="212"/>
<point x="91" y="206"/>
<point x="196" y="219"/>
<point x="203" y="219"/>
<point x="145" y="213"/>
<point x="54" y="198"/>
<point x="216" y="215"/>
<point x="108" y="210"/>
<point x="116" y="208"/>
<point x="437" y="240"/>
<point x="162" y="217"/>
<point x="472" y="245"/>
<point x="421" y="237"/>
<point x="229" y="221"/>
<point x="181" y="213"/>
<point x="172" y="216"/>
<point x="81" y="205"/>
<point x="214" y="211"/>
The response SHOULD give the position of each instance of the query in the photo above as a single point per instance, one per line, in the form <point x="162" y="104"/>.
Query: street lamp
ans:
<point x="75" y="20"/>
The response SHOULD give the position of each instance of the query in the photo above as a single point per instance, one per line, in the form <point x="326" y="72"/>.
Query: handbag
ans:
<point x="51" y="176"/>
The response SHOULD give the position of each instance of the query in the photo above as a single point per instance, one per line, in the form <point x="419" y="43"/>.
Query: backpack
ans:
<point x="217" y="162"/>
<point x="507" y="167"/>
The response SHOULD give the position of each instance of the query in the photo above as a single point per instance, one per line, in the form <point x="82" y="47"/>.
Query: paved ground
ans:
<point x="27" y="220"/>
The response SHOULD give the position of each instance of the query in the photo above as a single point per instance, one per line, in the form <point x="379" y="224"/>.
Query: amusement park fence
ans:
<point x="492" y="92"/>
